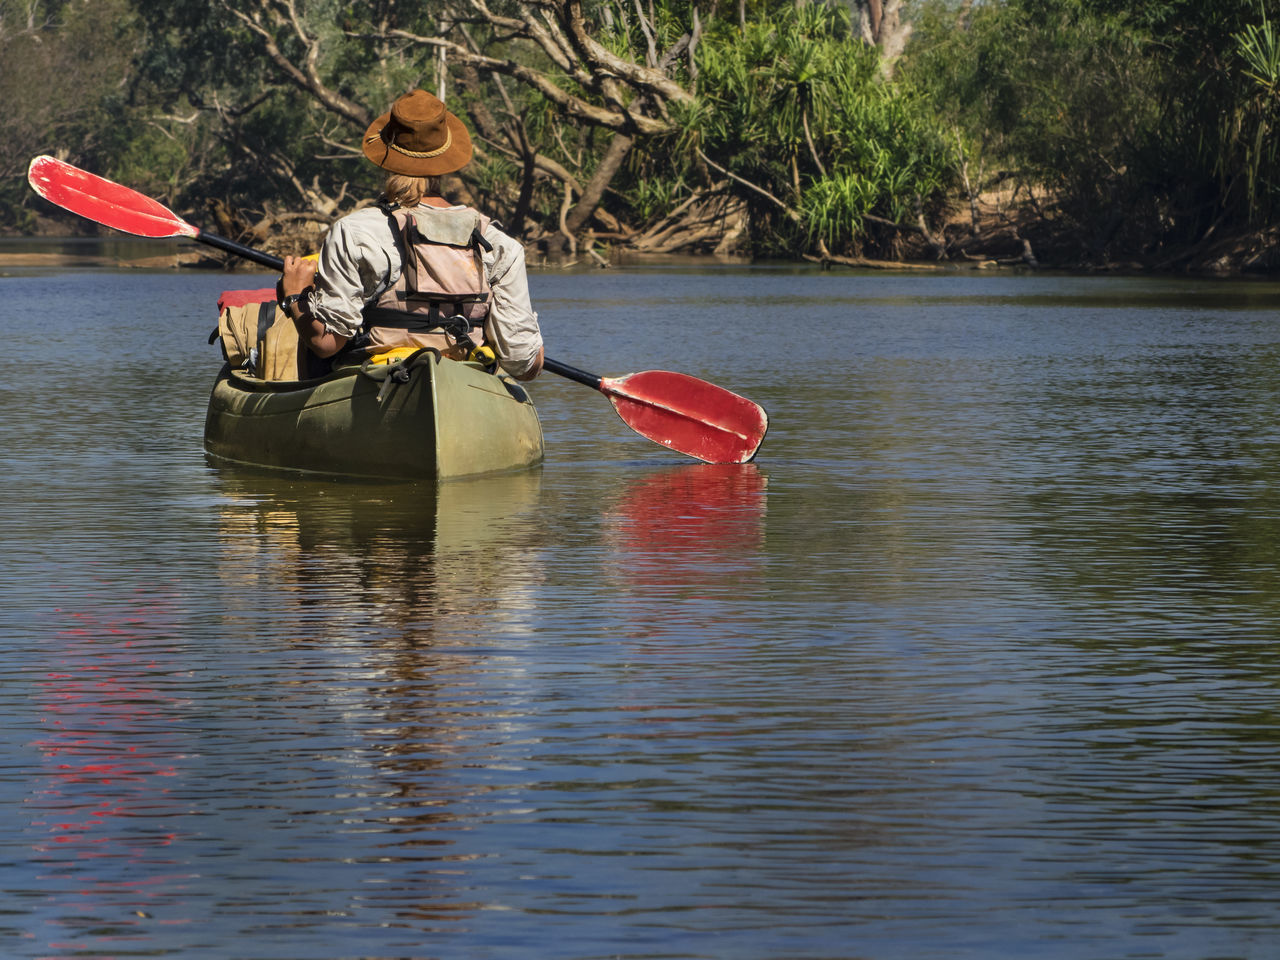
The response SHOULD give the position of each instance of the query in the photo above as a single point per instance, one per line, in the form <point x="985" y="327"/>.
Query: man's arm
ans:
<point x="296" y="286"/>
<point x="535" y="369"/>
<point x="513" y="326"/>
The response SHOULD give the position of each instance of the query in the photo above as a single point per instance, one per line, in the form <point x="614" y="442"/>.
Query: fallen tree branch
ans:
<point x="939" y="246"/>
<point x="670" y="222"/>
<point x="790" y="212"/>
<point x="825" y="257"/>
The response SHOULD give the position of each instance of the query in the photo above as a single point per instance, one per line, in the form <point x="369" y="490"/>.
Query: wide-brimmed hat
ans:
<point x="418" y="137"/>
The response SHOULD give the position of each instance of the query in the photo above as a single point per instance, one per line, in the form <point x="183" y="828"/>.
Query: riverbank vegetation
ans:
<point x="1081" y="133"/>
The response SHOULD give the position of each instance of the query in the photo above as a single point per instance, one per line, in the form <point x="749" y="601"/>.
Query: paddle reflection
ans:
<point x="694" y="529"/>
<point x="102" y="807"/>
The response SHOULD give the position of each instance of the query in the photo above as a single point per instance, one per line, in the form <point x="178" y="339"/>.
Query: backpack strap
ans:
<point x="266" y="317"/>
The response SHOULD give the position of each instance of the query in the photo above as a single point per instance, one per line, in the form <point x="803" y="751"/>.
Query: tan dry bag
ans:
<point x="262" y="340"/>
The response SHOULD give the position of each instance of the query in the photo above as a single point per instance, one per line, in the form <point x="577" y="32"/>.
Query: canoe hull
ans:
<point x="447" y="420"/>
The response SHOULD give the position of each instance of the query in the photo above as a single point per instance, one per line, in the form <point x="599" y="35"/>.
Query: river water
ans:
<point x="978" y="659"/>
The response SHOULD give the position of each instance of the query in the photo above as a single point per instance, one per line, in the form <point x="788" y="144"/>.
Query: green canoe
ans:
<point x="424" y="418"/>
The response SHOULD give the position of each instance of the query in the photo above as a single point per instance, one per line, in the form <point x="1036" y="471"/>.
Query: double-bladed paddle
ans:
<point x="681" y="412"/>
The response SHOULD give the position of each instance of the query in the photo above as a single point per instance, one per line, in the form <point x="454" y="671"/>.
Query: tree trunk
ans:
<point x="610" y="163"/>
<point x="526" y="195"/>
<point x="882" y="26"/>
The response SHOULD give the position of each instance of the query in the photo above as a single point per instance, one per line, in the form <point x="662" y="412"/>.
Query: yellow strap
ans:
<point x="394" y="354"/>
<point x="483" y="355"/>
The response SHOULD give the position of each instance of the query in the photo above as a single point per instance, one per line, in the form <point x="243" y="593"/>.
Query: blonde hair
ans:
<point x="408" y="191"/>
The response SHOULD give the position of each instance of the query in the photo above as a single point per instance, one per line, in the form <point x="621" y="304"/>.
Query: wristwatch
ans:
<point x="290" y="300"/>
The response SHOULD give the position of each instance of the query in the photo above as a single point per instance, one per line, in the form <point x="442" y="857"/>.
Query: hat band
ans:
<point x="419" y="154"/>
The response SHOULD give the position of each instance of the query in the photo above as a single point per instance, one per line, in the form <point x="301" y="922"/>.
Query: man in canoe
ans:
<point x="415" y="270"/>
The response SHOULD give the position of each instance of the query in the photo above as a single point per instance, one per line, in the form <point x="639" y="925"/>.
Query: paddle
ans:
<point x="686" y="414"/>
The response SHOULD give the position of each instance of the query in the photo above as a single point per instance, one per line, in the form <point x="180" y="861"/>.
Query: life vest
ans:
<point x="442" y="278"/>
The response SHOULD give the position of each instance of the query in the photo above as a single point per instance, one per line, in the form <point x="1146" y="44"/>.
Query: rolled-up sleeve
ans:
<point x="513" y="326"/>
<point x="358" y="261"/>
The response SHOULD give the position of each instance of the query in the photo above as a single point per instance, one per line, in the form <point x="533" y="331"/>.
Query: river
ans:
<point x="977" y="659"/>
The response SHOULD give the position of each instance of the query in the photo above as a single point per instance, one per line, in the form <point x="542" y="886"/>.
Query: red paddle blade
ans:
<point x="689" y="415"/>
<point x="102" y="200"/>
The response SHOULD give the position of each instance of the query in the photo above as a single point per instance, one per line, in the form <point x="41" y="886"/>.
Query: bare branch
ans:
<point x="558" y="37"/>
<point x="694" y="37"/>
<point x="645" y="79"/>
<point x="789" y="211"/>
<point x="345" y="150"/>
<point x="572" y="105"/>
<point x="652" y="55"/>
<point x="938" y="246"/>
<point x="804" y="122"/>
<point x="308" y="79"/>
<point x="564" y="212"/>
<point x="674" y="51"/>
<point x="544" y="163"/>
<point x="604" y="173"/>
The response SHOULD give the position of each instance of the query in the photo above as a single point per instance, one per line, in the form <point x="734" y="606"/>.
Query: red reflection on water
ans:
<point x="694" y="528"/>
<point x="102" y="799"/>
<point x="688" y="544"/>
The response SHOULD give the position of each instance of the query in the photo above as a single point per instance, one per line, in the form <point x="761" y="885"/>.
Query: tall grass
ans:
<point x="1252" y="125"/>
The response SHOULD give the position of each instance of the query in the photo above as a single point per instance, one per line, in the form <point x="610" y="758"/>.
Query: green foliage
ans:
<point x="798" y="107"/>
<point x="1259" y="47"/>
<point x="835" y="206"/>
<point x="1139" y="123"/>
<point x="493" y="179"/>
<point x="1149" y="123"/>
<point x="1209" y="165"/>
<point x="262" y="141"/>
<point x="60" y="67"/>
<point x="653" y="198"/>
<point x="1049" y="91"/>
<point x="1251" y="126"/>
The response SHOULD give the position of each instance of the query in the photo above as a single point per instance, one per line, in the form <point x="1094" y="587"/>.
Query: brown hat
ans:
<point x="418" y="137"/>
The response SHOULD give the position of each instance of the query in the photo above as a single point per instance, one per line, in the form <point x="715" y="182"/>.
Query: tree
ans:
<point x="1145" y="129"/>
<point x="540" y="88"/>
<point x="796" y="112"/>
<point x="62" y="69"/>
<point x="558" y="93"/>
<point x="881" y="24"/>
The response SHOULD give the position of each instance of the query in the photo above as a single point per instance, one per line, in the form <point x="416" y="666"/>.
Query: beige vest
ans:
<point x="442" y="276"/>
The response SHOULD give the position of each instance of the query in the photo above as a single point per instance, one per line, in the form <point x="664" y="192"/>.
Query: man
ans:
<point x="415" y="270"/>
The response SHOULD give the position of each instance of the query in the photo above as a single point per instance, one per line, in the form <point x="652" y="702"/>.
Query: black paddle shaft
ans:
<point x="240" y="250"/>
<point x="571" y="373"/>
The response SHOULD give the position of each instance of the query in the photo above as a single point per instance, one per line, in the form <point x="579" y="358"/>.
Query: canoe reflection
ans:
<point x="431" y="637"/>
<point x="395" y="558"/>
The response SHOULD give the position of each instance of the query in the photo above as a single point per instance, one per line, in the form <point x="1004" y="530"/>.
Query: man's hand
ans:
<point x="299" y="274"/>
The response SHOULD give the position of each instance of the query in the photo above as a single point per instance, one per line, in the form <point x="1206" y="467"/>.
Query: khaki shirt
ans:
<point x="360" y="260"/>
